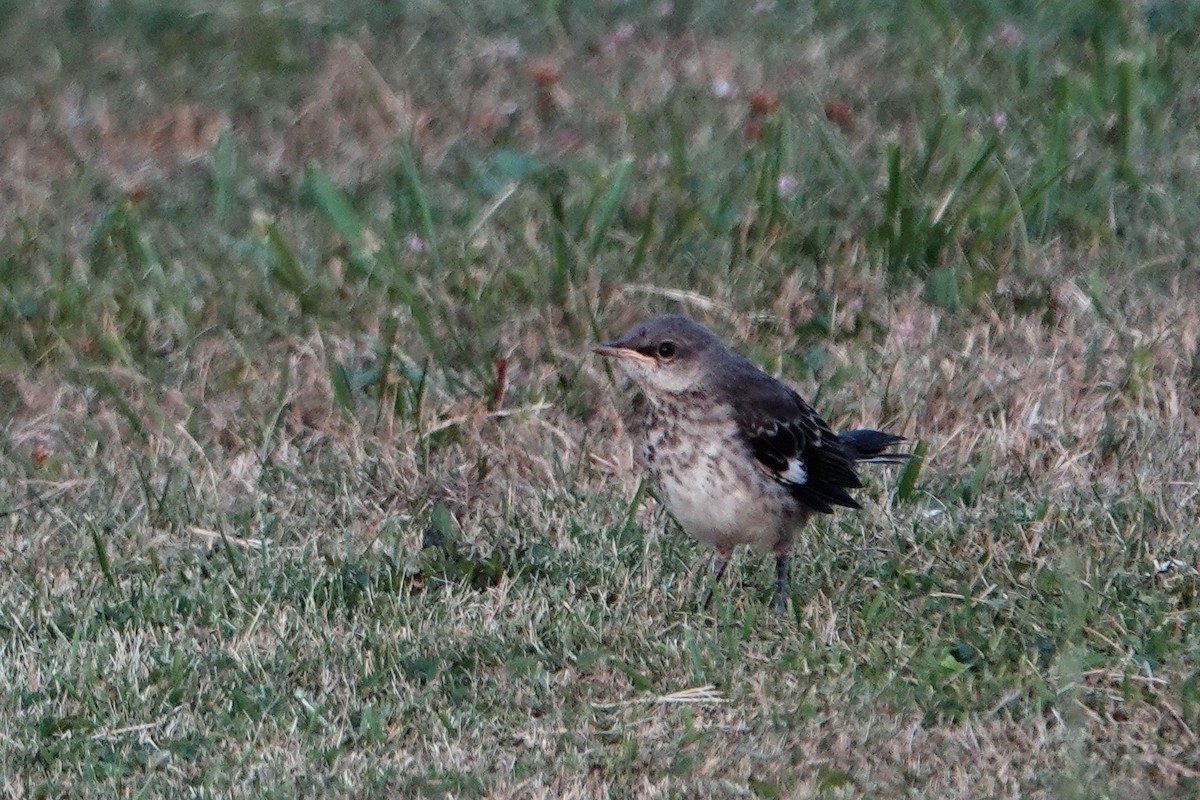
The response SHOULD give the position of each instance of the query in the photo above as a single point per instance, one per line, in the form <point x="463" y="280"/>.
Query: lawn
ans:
<point x="310" y="485"/>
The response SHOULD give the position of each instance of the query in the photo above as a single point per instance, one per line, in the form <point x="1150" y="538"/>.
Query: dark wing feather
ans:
<point x="868" y="446"/>
<point x="792" y="442"/>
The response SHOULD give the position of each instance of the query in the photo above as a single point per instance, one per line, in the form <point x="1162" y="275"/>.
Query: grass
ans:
<point x="308" y="485"/>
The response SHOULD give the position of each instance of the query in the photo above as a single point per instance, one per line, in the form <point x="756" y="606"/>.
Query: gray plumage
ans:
<point x="737" y="456"/>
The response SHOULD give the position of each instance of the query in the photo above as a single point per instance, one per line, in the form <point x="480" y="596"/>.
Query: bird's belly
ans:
<point x="720" y="507"/>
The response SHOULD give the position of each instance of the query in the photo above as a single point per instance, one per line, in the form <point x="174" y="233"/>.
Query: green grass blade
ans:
<point x="420" y="197"/>
<point x="139" y="254"/>
<point x="225" y="172"/>
<point x="893" y="195"/>
<point x="912" y="470"/>
<point x="970" y="489"/>
<point x="639" y="680"/>
<point x="635" y="505"/>
<point x="286" y="269"/>
<point x="339" y="381"/>
<point x="560" y="250"/>
<point x="1126" y="93"/>
<point x="767" y="194"/>
<point x="387" y="336"/>
<point x="986" y="150"/>
<point x="835" y="153"/>
<point x="280" y="407"/>
<point x="943" y="289"/>
<point x="607" y="209"/>
<point x="232" y="556"/>
<point x="112" y="220"/>
<point x="105" y="386"/>
<point x="102" y="556"/>
<point x="333" y="204"/>
<point x="933" y="144"/>
<point x="647" y="235"/>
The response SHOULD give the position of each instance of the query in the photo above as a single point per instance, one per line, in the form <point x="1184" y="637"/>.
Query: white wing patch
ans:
<point x="795" y="473"/>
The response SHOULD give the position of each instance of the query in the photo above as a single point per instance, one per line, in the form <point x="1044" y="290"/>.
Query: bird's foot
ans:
<point x="781" y="583"/>
<point x="780" y="603"/>
<point x="720" y="560"/>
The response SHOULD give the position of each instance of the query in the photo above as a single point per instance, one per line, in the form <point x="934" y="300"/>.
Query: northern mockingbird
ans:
<point x="737" y="456"/>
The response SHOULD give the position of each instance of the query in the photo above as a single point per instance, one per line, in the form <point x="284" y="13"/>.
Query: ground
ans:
<point x="309" y="485"/>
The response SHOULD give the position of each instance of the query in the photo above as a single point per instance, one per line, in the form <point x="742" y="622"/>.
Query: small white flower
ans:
<point x="722" y="88"/>
<point x="1009" y="35"/>
<point x="623" y="34"/>
<point x="785" y="187"/>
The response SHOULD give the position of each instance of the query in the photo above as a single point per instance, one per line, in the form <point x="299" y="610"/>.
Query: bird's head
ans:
<point x="665" y="355"/>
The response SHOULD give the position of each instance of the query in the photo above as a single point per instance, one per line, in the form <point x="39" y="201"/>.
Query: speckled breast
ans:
<point x="707" y="477"/>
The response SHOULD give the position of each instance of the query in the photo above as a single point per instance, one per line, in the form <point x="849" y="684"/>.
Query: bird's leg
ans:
<point x="720" y="561"/>
<point x="781" y="583"/>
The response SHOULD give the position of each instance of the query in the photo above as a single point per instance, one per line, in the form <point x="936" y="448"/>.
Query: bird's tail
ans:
<point x="869" y="447"/>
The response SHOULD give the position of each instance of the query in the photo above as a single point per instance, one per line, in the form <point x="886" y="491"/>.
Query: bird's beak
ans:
<point x="614" y="350"/>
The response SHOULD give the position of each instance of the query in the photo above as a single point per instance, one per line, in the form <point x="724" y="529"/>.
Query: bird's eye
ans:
<point x="666" y="350"/>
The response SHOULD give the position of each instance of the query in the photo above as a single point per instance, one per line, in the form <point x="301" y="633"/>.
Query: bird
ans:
<point x="737" y="456"/>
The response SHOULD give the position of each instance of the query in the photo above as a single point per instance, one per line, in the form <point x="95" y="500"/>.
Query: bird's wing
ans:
<point x="795" y="445"/>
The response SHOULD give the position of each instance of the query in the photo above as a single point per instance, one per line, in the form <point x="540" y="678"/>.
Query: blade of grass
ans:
<point x="387" y="335"/>
<point x="912" y="469"/>
<point x="286" y="269"/>
<point x="224" y="177"/>
<point x="970" y="490"/>
<point x="893" y="192"/>
<point x="139" y="254"/>
<point x="1126" y="92"/>
<point x="561" y="277"/>
<point x="332" y="202"/>
<point x="102" y="556"/>
<point x="678" y="148"/>
<point x="339" y="381"/>
<point x="401" y="292"/>
<point x="416" y="189"/>
<point x="609" y="203"/>
<point x="103" y="231"/>
<point x="643" y="245"/>
<point x="933" y="143"/>
<point x="768" y="177"/>
<point x="280" y="406"/>
<point x="631" y="512"/>
<point x="960" y="211"/>
<point x="836" y="154"/>
<point x="487" y="213"/>
<point x="105" y="385"/>
<point x="232" y="556"/>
